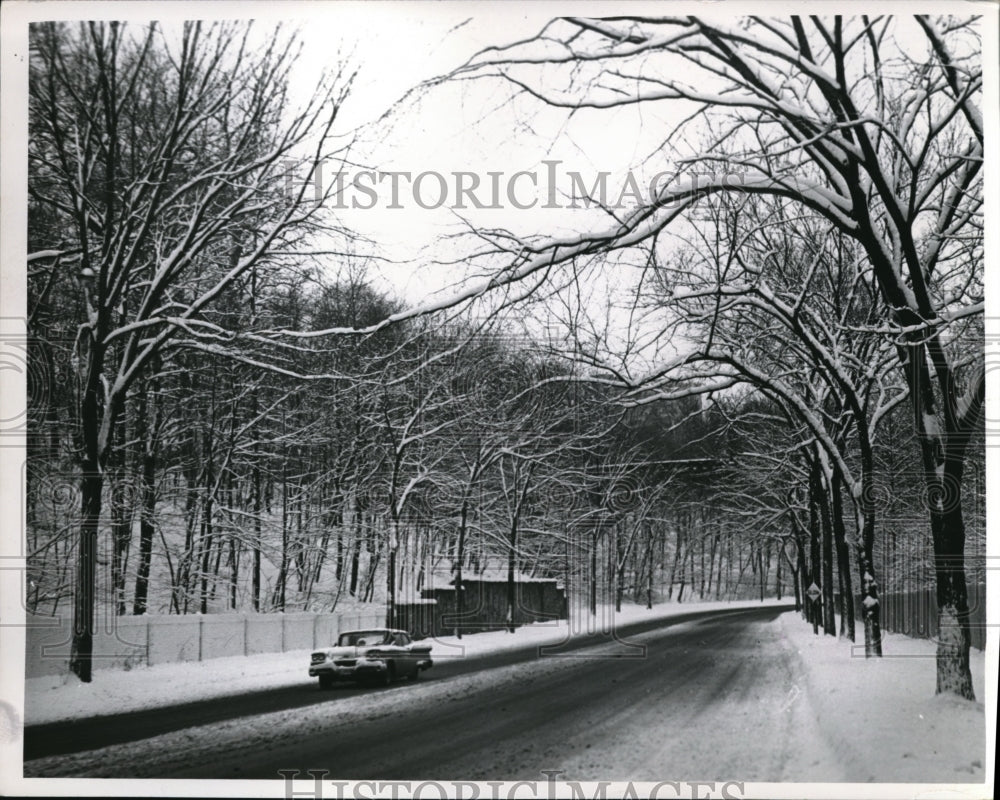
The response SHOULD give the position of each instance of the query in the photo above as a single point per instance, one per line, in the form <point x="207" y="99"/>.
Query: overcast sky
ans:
<point x="473" y="127"/>
<point x="458" y="127"/>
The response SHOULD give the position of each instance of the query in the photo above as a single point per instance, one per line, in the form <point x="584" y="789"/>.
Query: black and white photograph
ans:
<point x="492" y="400"/>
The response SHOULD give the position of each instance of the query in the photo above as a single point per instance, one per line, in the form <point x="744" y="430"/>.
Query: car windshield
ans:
<point x="362" y="638"/>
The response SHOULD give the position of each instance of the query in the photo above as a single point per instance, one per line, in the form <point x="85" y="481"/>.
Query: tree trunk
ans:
<point x="257" y="510"/>
<point x="373" y="563"/>
<point x="81" y="656"/>
<point x="341" y="555"/>
<point x="511" y="588"/>
<point x="843" y="559"/>
<point x="942" y="451"/>
<point x="711" y="563"/>
<point x="92" y="483"/>
<point x="803" y="571"/>
<point x="283" y="569"/>
<point x="718" y="575"/>
<point x="701" y="570"/>
<point x="206" y="534"/>
<point x="777" y="576"/>
<point x="823" y="502"/>
<point x="954" y="631"/>
<point x="617" y="567"/>
<point x="356" y="551"/>
<point x="390" y="603"/>
<point x="649" y="584"/>
<point x="796" y="581"/>
<point x="148" y="436"/>
<point x="122" y="515"/>
<point x="459" y="561"/>
<point x="684" y="573"/>
<point x="593" y="573"/>
<point x="234" y="572"/>
<point x="121" y="539"/>
<point x="765" y="568"/>
<point x="673" y="565"/>
<point x="208" y="513"/>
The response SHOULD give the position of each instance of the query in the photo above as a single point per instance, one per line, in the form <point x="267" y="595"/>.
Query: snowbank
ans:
<point x="881" y="716"/>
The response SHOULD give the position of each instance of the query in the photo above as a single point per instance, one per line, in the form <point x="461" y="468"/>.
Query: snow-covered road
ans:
<point x="731" y="697"/>
<point x="57" y="698"/>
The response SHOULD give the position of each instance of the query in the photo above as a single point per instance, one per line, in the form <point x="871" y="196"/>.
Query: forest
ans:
<point x="228" y="413"/>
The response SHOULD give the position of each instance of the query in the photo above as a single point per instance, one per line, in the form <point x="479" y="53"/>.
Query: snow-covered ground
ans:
<point x="880" y="717"/>
<point x="219" y="741"/>
<point x="114" y="691"/>
<point x="855" y="720"/>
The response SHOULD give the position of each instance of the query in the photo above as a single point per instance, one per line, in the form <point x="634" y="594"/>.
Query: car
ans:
<point x="372" y="656"/>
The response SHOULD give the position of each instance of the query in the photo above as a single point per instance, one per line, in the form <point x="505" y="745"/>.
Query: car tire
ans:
<point x="390" y="674"/>
<point x="326" y="681"/>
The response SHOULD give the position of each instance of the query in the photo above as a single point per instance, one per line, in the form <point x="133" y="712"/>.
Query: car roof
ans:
<point x="371" y="630"/>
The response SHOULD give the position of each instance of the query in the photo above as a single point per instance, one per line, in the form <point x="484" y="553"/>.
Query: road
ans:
<point x="712" y="697"/>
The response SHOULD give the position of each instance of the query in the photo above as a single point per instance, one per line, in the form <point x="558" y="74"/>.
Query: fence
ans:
<point x="161" y="639"/>
<point x="915" y="613"/>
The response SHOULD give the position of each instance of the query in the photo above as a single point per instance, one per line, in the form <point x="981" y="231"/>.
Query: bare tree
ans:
<point x="162" y="153"/>
<point x="782" y="302"/>
<point x="883" y="141"/>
